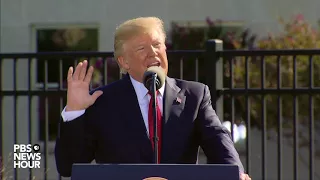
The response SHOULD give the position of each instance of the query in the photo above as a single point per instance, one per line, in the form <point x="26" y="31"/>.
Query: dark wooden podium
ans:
<point x="154" y="172"/>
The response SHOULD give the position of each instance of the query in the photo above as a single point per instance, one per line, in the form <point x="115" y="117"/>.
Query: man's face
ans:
<point x="143" y="51"/>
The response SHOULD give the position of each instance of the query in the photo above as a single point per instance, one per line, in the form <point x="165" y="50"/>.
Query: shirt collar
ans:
<point x="142" y="91"/>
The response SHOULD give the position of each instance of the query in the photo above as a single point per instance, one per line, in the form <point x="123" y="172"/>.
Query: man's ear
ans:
<point x="123" y="63"/>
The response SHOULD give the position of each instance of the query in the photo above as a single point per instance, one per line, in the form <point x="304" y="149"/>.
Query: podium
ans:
<point x="154" y="172"/>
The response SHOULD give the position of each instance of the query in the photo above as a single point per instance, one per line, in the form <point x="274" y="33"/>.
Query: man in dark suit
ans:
<point x="112" y="123"/>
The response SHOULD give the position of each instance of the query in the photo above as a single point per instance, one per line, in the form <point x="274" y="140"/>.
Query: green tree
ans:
<point x="297" y="34"/>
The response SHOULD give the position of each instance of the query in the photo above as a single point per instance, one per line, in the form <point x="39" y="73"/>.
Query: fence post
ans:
<point x="214" y="73"/>
<point x="1" y="129"/>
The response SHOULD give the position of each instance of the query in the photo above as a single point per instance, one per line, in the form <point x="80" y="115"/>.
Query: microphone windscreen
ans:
<point x="151" y="71"/>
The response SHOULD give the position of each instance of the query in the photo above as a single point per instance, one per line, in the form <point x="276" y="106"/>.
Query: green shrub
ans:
<point x="297" y="34"/>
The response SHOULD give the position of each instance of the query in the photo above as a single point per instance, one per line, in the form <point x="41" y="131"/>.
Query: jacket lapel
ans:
<point x="134" y="120"/>
<point x="174" y="103"/>
<point x="174" y="99"/>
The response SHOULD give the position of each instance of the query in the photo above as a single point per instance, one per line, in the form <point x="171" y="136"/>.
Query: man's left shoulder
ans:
<point x="190" y="85"/>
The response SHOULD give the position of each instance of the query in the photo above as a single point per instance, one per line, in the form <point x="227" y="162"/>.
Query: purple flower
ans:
<point x="99" y="63"/>
<point x="299" y="18"/>
<point x="209" y="21"/>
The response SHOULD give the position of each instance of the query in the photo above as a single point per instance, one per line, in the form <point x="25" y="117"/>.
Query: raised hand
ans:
<point x="78" y="97"/>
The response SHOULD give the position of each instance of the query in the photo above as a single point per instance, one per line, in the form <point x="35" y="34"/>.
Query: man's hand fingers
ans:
<point x="96" y="94"/>
<point x="70" y="71"/>
<point x="244" y="177"/>
<point x="89" y="75"/>
<point x="83" y="70"/>
<point x="77" y="71"/>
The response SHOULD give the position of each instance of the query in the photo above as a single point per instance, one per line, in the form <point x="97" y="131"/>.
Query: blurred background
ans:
<point x="261" y="60"/>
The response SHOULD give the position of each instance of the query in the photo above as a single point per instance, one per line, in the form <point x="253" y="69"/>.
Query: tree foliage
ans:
<point x="295" y="71"/>
<point x="297" y="34"/>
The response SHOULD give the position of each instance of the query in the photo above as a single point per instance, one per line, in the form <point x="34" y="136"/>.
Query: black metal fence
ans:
<point x="274" y="93"/>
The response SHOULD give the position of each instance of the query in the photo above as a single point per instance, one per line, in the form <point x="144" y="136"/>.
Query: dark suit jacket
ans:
<point x="112" y="130"/>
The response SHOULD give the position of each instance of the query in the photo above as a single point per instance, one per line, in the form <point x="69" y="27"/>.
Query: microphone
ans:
<point x="153" y="79"/>
<point x="153" y="74"/>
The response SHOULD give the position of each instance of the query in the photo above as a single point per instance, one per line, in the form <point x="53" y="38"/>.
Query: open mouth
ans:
<point x="154" y="64"/>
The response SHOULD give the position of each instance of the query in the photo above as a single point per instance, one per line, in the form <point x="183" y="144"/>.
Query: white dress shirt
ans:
<point x="143" y="99"/>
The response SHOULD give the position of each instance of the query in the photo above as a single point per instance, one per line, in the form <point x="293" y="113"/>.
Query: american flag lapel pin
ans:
<point x="178" y="100"/>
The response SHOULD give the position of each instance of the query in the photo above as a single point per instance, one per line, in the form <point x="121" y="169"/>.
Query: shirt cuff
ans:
<point x="71" y="115"/>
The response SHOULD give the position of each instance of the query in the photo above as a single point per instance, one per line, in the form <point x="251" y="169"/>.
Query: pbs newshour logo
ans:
<point x="26" y="156"/>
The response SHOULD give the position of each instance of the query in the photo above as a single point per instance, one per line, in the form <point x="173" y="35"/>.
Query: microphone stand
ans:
<point x="155" y="122"/>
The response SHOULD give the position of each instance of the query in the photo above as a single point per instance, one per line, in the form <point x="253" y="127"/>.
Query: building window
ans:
<point x="59" y="40"/>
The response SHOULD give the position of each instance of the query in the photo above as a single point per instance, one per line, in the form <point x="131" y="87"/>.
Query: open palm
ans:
<point x="78" y="97"/>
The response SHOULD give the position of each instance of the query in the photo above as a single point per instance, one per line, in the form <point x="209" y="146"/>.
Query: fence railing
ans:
<point x="278" y="92"/>
<point x="273" y="93"/>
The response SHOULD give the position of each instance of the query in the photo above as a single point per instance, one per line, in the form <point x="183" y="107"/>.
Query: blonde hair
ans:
<point x="134" y="27"/>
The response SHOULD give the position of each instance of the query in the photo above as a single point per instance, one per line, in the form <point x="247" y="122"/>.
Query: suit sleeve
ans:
<point x="215" y="139"/>
<point x="75" y="142"/>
